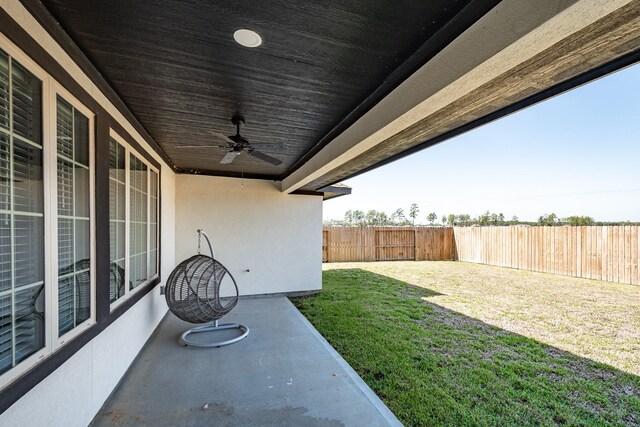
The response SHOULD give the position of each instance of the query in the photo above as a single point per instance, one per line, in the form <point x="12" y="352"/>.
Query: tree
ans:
<point x="579" y="220"/>
<point x="432" y="217"/>
<point x="451" y="219"/>
<point x="348" y="217"/>
<point x="398" y="217"/>
<point x="358" y="217"/>
<point x="371" y="217"/>
<point x="484" y="219"/>
<point x="413" y="212"/>
<point x="383" y="219"/>
<point x="464" y="219"/>
<point x="550" y="219"/>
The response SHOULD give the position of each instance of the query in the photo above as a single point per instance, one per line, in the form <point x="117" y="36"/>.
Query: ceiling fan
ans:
<point x="237" y="145"/>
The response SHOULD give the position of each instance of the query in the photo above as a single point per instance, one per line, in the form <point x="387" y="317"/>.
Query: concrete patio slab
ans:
<point x="283" y="374"/>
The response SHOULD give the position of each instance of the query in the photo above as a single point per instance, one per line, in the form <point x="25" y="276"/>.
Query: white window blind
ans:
<point x="139" y="221"/>
<point x="153" y="224"/>
<point x="117" y="219"/>
<point x="22" y="305"/>
<point x="74" y="238"/>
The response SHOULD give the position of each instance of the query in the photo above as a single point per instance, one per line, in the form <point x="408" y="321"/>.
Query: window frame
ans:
<point x="55" y="91"/>
<point x="26" y="364"/>
<point x="128" y="151"/>
<point x="50" y="90"/>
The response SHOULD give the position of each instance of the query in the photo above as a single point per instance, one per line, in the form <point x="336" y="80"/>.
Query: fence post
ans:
<point x="328" y="247"/>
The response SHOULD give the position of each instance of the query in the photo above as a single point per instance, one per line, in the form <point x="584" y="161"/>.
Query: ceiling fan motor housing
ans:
<point x="237" y="120"/>
<point x="239" y="140"/>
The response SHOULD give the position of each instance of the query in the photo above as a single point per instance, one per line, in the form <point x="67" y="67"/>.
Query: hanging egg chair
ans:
<point x="193" y="294"/>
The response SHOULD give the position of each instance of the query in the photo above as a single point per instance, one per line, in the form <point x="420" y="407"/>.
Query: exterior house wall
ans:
<point x="253" y="226"/>
<point x="72" y="393"/>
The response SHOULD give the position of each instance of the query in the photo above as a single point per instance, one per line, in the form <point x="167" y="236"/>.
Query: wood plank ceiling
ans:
<point x="321" y="66"/>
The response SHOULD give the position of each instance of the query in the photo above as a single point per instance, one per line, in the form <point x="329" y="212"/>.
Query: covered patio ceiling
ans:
<point x="178" y="68"/>
<point x="338" y="87"/>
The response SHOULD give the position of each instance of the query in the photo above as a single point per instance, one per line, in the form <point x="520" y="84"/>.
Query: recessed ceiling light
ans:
<point x="247" y="38"/>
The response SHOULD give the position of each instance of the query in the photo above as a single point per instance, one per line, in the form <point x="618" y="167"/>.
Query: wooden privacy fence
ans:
<point x="341" y="244"/>
<point x="608" y="253"/>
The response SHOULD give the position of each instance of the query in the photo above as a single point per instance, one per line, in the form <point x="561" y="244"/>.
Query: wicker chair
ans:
<point x="76" y="306"/>
<point x="192" y="292"/>
<point x="79" y="308"/>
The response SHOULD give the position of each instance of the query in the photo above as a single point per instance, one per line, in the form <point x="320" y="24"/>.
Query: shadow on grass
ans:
<point x="435" y="366"/>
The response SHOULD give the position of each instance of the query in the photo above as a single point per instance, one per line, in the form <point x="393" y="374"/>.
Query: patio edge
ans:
<point x="364" y="388"/>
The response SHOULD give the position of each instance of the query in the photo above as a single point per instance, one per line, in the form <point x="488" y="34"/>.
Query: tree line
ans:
<point x="374" y="218"/>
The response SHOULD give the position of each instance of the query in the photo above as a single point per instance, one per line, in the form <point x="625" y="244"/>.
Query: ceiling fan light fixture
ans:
<point x="247" y="38"/>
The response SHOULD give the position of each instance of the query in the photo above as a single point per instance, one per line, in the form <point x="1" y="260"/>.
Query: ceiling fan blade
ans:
<point x="229" y="157"/>
<point x="202" y="146"/>
<point x="221" y="138"/>
<point x="265" y="157"/>
<point x="193" y="146"/>
<point x="268" y="145"/>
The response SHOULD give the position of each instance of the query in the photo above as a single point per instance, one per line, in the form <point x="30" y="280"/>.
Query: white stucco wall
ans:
<point x="276" y="236"/>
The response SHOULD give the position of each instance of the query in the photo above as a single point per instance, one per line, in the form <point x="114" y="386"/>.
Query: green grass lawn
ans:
<point x="446" y="343"/>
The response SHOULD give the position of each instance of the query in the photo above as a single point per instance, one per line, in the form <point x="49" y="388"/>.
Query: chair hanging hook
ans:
<point x="206" y="237"/>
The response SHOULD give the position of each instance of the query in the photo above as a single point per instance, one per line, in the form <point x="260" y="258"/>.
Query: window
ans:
<point x="47" y="284"/>
<point x="153" y="223"/>
<point x="117" y="202"/>
<point x="133" y="220"/>
<point x="138" y="221"/>
<point x="22" y="297"/>
<point x="74" y="257"/>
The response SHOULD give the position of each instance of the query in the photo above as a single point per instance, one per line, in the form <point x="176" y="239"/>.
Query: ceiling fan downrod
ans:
<point x="237" y="120"/>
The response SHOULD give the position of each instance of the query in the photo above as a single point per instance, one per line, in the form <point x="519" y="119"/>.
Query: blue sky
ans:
<point x="575" y="154"/>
